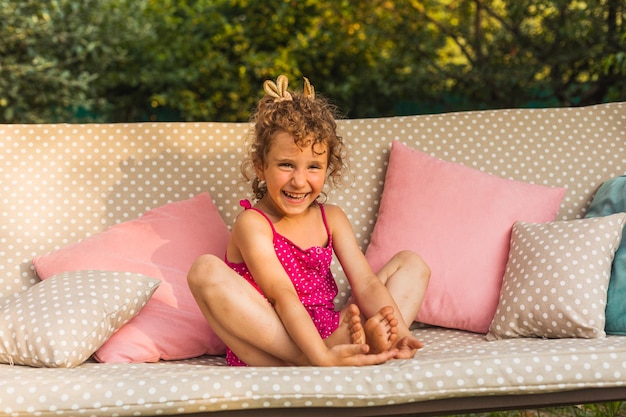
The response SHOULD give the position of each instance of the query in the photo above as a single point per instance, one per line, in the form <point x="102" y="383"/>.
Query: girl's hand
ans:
<point x="406" y="347"/>
<point x="356" y="355"/>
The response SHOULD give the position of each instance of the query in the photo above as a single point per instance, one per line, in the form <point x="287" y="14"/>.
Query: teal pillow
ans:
<point x="611" y="198"/>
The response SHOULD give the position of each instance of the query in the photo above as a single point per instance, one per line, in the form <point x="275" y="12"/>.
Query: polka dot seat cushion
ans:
<point x="453" y="363"/>
<point x="62" y="183"/>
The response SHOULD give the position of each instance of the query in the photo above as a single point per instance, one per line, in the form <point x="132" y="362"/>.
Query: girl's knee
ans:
<point x="411" y="260"/>
<point x="203" y="271"/>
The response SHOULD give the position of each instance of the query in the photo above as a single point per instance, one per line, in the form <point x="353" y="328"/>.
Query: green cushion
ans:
<point x="611" y="198"/>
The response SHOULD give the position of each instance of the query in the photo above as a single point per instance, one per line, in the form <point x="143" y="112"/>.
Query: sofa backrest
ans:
<point x="60" y="183"/>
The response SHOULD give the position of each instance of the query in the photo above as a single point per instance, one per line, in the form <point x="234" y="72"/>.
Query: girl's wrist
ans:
<point x="321" y="358"/>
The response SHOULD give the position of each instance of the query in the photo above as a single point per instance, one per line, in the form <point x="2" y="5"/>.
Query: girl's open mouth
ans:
<point x="293" y="196"/>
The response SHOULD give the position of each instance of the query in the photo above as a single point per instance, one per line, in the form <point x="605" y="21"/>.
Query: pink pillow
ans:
<point x="163" y="243"/>
<point x="459" y="220"/>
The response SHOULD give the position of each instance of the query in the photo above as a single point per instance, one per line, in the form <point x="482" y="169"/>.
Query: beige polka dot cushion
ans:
<point x="60" y="322"/>
<point x="61" y="183"/>
<point x="557" y="278"/>
<point x="452" y="364"/>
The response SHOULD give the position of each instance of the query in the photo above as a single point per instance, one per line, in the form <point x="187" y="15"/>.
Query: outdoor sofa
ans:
<point x="112" y="215"/>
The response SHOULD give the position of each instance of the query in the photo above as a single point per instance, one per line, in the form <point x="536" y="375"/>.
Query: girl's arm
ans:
<point x="252" y="239"/>
<point x="368" y="290"/>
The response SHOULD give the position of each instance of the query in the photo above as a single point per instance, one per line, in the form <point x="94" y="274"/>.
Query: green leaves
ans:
<point x="125" y="60"/>
<point x="54" y="56"/>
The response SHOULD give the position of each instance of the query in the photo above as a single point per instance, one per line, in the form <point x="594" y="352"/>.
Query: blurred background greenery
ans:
<point x="205" y="60"/>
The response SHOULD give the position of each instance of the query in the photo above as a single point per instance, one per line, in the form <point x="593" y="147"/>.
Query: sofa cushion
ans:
<point x="556" y="279"/>
<point x="609" y="199"/>
<point x="60" y="322"/>
<point x="162" y="243"/>
<point x="459" y="220"/>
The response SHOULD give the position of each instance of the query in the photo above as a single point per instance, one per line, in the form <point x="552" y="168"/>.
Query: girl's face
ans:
<point x="294" y="175"/>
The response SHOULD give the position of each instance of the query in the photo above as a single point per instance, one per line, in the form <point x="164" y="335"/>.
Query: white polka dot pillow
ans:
<point x="556" y="279"/>
<point x="62" y="321"/>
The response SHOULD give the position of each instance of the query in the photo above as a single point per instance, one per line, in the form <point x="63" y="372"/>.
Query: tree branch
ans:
<point x="445" y="30"/>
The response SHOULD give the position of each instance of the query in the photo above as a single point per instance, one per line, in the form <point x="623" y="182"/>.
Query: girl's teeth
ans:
<point x="295" y="196"/>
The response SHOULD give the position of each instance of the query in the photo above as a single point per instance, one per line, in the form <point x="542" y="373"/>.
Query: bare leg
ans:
<point x="250" y="326"/>
<point x="234" y="309"/>
<point x="406" y="277"/>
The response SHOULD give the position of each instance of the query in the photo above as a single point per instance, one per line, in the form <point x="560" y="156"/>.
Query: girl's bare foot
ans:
<point x="381" y="330"/>
<point x="353" y="321"/>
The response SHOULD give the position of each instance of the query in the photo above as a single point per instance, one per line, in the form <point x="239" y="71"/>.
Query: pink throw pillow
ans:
<point x="163" y="243"/>
<point x="459" y="220"/>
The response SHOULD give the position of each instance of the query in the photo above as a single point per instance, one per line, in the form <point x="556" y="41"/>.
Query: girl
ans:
<point x="271" y="301"/>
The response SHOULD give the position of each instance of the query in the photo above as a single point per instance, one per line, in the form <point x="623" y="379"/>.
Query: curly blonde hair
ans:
<point x="309" y="119"/>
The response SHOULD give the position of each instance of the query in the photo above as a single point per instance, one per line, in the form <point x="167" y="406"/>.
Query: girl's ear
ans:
<point x="258" y="169"/>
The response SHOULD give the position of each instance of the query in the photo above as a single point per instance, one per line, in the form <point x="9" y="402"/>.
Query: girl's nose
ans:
<point x="299" y="178"/>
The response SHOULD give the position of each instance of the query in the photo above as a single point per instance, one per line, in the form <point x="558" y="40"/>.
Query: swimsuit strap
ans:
<point x="248" y="206"/>
<point x="324" y="218"/>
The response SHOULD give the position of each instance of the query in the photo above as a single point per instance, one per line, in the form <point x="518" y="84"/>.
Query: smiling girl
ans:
<point x="271" y="298"/>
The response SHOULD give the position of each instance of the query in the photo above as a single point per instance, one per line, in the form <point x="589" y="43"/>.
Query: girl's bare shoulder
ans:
<point x="250" y="222"/>
<point x="335" y="214"/>
<point x="333" y="209"/>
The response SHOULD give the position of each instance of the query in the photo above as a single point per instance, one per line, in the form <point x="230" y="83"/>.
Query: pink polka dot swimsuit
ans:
<point x="309" y="271"/>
